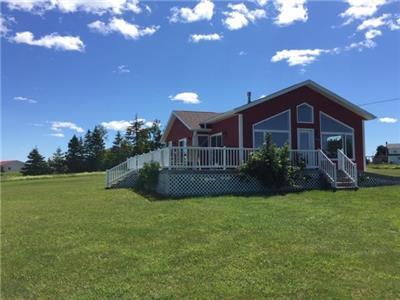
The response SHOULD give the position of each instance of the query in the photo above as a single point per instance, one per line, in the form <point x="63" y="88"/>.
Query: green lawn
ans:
<point x="67" y="237"/>
<point x="384" y="169"/>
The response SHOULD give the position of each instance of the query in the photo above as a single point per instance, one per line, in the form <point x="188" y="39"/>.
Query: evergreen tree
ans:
<point x="137" y="136"/>
<point x="57" y="162"/>
<point x="155" y="135"/>
<point x="74" y="157"/>
<point x="94" y="146"/>
<point x="35" y="165"/>
<point x="87" y="146"/>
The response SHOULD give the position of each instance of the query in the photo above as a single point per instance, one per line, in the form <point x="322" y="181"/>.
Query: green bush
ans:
<point x="148" y="177"/>
<point x="271" y="166"/>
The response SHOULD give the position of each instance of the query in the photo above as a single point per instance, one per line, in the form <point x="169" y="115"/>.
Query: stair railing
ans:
<point x="328" y="167"/>
<point x="117" y="172"/>
<point x="347" y="166"/>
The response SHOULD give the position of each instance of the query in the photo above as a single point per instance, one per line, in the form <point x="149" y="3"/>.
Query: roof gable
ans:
<point x="309" y="83"/>
<point x="191" y="119"/>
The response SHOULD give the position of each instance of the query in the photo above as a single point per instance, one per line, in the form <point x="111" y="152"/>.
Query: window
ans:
<point x="278" y="126"/>
<point x="336" y="135"/>
<point x="202" y="140"/>
<point x="305" y="113"/>
<point x="216" y="140"/>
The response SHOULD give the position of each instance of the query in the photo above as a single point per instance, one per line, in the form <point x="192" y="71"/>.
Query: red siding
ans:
<point x="229" y="128"/>
<point x="179" y="131"/>
<point x="290" y="101"/>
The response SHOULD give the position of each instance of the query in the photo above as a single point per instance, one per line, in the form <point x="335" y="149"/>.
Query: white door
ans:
<point x="305" y="143"/>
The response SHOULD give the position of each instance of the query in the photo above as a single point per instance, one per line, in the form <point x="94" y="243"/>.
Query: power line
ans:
<point x="380" y="101"/>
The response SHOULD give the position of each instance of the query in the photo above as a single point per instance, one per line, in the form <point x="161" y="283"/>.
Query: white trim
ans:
<point x="338" y="133"/>
<point x="300" y="130"/>
<point x="217" y="134"/>
<point x="240" y="130"/>
<point x="184" y="140"/>
<point x="312" y="113"/>
<point x="363" y="141"/>
<point x="268" y="130"/>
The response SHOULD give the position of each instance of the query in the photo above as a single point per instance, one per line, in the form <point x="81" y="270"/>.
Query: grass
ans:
<point x="384" y="169"/>
<point x="68" y="237"/>
<point x="12" y="176"/>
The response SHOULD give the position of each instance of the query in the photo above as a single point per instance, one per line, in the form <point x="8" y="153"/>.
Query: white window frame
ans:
<point x="338" y="133"/>
<point x="206" y="135"/>
<point x="312" y="113"/>
<point x="274" y="130"/>
<point x="184" y="140"/>
<point x="299" y="130"/>
<point x="216" y="134"/>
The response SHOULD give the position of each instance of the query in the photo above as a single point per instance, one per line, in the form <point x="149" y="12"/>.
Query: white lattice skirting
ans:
<point x="176" y="183"/>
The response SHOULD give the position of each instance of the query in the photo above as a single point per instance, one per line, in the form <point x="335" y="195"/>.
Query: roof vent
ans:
<point x="248" y="97"/>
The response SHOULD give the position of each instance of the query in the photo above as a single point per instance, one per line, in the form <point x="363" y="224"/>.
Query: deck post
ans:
<point x="169" y="156"/>
<point x="224" y="157"/>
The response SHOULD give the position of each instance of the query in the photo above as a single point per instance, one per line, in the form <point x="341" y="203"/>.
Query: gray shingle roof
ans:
<point x="192" y="119"/>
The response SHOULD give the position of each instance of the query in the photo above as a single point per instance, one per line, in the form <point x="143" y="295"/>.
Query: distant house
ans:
<point x="393" y="153"/>
<point x="11" y="165"/>
<point x="306" y="116"/>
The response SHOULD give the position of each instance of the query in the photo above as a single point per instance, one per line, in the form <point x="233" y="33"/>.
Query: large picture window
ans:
<point x="278" y="126"/>
<point x="336" y="135"/>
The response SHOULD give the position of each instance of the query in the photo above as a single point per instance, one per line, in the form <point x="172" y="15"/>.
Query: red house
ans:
<point x="306" y="116"/>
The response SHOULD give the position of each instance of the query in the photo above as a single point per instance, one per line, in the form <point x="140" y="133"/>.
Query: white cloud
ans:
<point x="186" y="97"/>
<point x="128" y="30"/>
<point x="204" y="10"/>
<point x="57" y="134"/>
<point x="122" y="69"/>
<point x="242" y="53"/>
<point x="373" y="22"/>
<point x="25" y="99"/>
<point x="360" y="9"/>
<point x="297" y="57"/>
<point x="239" y="16"/>
<point x="58" y="126"/>
<point x="69" y="6"/>
<point x="261" y="2"/>
<point x="4" y="30"/>
<point x="195" y="38"/>
<point x="290" y="11"/>
<point x="373" y="33"/>
<point x="148" y="124"/>
<point x="58" y="42"/>
<point x="394" y="24"/>
<point x="388" y="120"/>
<point x="121" y="125"/>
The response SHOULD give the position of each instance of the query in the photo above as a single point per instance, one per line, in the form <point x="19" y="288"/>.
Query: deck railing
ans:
<point x="327" y="167"/>
<point x="347" y="166"/>
<point x="215" y="158"/>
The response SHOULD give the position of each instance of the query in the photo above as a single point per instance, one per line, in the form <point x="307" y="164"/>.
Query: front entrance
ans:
<point x="305" y="142"/>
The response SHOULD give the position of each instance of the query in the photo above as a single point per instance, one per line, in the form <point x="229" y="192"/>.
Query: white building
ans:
<point x="11" y="165"/>
<point x="393" y="153"/>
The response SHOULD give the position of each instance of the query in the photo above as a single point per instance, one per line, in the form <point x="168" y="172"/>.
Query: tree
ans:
<point x="270" y="165"/>
<point x="74" y="158"/>
<point x="155" y="135"/>
<point x="381" y="155"/>
<point x="35" y="165"/>
<point x="94" y="147"/>
<point x="137" y="136"/>
<point x="57" y="162"/>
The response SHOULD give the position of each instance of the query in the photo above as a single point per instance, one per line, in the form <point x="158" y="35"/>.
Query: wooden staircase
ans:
<point x="344" y="182"/>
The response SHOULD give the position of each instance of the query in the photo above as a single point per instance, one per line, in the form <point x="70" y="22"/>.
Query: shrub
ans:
<point x="271" y="165"/>
<point x="148" y="177"/>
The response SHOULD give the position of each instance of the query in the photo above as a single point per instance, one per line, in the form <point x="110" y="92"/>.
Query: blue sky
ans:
<point x="69" y="65"/>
